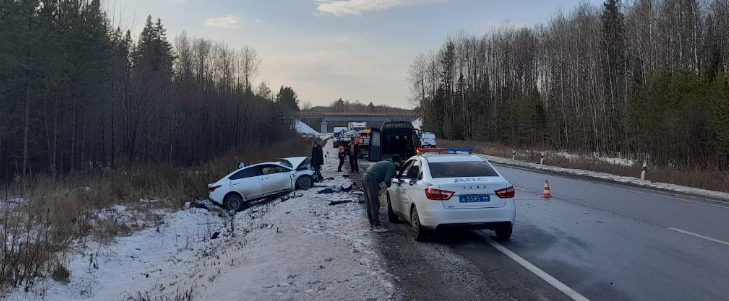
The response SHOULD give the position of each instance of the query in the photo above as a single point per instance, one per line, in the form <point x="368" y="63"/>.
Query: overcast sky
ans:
<point x="353" y="49"/>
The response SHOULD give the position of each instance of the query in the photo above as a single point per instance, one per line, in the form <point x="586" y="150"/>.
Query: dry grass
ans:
<point x="54" y="213"/>
<point x="705" y="179"/>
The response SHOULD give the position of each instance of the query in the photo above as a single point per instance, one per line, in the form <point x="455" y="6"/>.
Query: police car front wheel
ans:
<point x="391" y="215"/>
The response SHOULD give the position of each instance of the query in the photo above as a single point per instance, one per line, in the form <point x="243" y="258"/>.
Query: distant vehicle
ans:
<point x="345" y="138"/>
<point x="363" y="139"/>
<point x="427" y="140"/>
<point x="243" y="186"/>
<point x="394" y="138"/>
<point x="356" y="126"/>
<point x="435" y="191"/>
<point x="338" y="131"/>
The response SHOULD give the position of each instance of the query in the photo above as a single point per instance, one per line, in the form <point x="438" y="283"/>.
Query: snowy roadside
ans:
<point x="715" y="195"/>
<point x="298" y="248"/>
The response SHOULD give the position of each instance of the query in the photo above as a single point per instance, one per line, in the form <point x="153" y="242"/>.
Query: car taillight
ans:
<point x="212" y="188"/>
<point x="506" y="193"/>
<point x="438" y="195"/>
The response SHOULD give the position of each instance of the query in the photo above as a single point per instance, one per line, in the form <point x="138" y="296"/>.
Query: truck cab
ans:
<point x="364" y="140"/>
<point x="393" y="138"/>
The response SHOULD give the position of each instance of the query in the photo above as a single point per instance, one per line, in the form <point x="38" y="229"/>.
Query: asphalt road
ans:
<point x="605" y="241"/>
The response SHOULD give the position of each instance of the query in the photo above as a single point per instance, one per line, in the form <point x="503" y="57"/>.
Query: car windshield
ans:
<point x="286" y="163"/>
<point x="461" y="169"/>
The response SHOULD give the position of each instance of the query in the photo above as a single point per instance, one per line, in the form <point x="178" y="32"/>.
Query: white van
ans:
<point x="427" y="140"/>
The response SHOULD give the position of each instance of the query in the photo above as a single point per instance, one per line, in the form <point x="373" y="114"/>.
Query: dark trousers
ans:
<point x="341" y="162"/>
<point x="317" y="174"/>
<point x="372" y="199"/>
<point x="353" y="164"/>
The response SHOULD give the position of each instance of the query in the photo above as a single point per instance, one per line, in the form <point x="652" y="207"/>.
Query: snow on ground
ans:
<point x="298" y="248"/>
<point x="717" y="195"/>
<point x="304" y="128"/>
<point x="595" y="156"/>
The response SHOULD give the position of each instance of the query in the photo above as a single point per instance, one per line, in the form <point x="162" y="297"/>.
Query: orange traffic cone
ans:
<point x="546" y="194"/>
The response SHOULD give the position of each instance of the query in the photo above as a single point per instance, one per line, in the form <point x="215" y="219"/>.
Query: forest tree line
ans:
<point x="77" y="94"/>
<point x="647" y="79"/>
<point x="346" y="106"/>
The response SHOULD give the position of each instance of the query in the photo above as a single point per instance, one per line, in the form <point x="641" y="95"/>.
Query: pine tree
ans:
<point x="287" y="99"/>
<point x="614" y="67"/>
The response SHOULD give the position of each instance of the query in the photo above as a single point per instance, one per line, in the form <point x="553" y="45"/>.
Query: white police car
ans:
<point x="442" y="188"/>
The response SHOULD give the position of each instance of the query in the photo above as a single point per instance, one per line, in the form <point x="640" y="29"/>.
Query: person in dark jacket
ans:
<point x="317" y="160"/>
<point x="380" y="172"/>
<point x="353" y="152"/>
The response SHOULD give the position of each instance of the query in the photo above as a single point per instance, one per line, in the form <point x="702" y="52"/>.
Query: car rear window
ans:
<point x="461" y="169"/>
<point x="246" y="173"/>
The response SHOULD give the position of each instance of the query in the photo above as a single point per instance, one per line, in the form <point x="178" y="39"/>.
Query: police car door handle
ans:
<point x="412" y="182"/>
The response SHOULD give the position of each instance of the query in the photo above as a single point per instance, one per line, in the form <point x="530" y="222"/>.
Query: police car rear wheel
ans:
<point x="504" y="232"/>
<point x="419" y="233"/>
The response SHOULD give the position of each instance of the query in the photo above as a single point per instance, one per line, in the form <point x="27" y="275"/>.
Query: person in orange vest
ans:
<point x="342" y="155"/>
<point x="353" y="154"/>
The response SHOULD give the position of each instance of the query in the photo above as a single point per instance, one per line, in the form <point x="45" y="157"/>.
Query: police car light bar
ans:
<point x="453" y="150"/>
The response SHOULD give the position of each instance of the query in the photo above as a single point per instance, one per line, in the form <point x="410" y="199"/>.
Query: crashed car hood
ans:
<point x="295" y="161"/>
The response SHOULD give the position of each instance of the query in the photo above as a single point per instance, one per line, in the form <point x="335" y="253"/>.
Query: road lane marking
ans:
<point x="536" y="271"/>
<point x="700" y="236"/>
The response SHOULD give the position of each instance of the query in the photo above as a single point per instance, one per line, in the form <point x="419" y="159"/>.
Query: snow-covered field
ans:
<point x="717" y="195"/>
<point x="298" y="248"/>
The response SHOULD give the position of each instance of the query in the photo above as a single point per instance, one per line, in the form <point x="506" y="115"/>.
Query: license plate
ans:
<point x="475" y="198"/>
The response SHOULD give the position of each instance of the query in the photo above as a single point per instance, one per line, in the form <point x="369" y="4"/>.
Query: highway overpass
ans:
<point x="372" y="119"/>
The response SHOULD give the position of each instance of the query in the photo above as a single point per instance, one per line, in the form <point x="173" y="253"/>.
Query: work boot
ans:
<point x="379" y="228"/>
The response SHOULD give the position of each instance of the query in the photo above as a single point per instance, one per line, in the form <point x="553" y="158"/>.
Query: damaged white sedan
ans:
<point x="251" y="183"/>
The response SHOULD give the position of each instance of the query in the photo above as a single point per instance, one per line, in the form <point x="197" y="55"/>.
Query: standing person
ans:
<point x="317" y="160"/>
<point x="353" y="154"/>
<point x="379" y="172"/>
<point x="342" y="154"/>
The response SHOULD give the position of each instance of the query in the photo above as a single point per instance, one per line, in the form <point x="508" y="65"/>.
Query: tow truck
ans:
<point x="393" y="138"/>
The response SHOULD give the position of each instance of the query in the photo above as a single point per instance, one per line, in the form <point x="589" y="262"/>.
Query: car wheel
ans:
<point x="504" y="232"/>
<point x="234" y="203"/>
<point x="419" y="233"/>
<point x="304" y="182"/>
<point x="391" y="215"/>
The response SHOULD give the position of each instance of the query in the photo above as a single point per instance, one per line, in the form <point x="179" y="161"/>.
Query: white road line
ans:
<point x="700" y="236"/>
<point x="537" y="271"/>
<point x="522" y="189"/>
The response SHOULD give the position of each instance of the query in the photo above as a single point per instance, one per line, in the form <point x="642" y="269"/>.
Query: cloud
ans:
<point x="357" y="7"/>
<point x="175" y="1"/>
<point x="257" y="20"/>
<point x="224" y="22"/>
